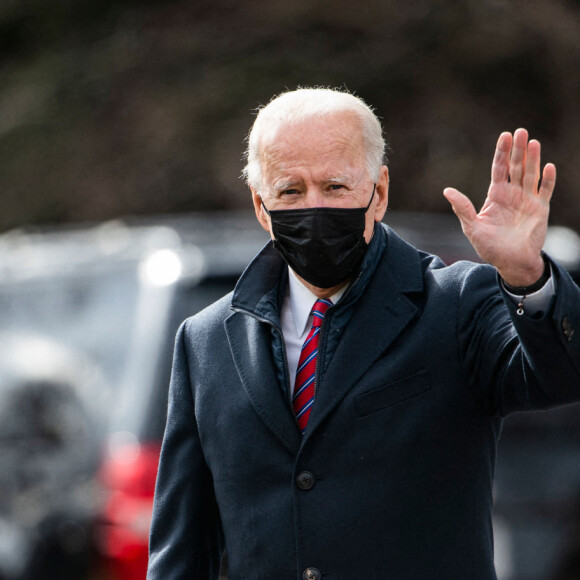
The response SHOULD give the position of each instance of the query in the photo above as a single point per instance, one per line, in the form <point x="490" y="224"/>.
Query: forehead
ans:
<point x="328" y="143"/>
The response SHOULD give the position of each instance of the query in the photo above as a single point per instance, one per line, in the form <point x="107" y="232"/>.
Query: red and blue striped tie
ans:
<point x="305" y="385"/>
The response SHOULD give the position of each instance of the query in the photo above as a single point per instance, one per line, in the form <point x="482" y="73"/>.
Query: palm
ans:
<point x="510" y="229"/>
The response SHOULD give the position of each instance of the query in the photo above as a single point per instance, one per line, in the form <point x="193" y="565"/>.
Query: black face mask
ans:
<point x="323" y="245"/>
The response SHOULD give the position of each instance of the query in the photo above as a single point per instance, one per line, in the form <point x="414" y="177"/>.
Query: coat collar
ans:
<point x="378" y="317"/>
<point x="376" y="300"/>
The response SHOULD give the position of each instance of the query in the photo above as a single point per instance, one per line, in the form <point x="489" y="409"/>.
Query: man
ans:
<point x="371" y="453"/>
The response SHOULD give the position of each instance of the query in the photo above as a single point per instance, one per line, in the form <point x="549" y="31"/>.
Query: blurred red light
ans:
<point x="128" y="475"/>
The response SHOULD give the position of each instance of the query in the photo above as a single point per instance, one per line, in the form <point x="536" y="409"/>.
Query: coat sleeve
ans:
<point x="185" y="539"/>
<point x="520" y="363"/>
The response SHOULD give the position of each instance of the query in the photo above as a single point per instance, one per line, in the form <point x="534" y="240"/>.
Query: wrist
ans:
<point x="526" y="289"/>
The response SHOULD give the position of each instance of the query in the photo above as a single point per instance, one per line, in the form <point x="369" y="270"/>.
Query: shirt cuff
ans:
<point x="536" y="302"/>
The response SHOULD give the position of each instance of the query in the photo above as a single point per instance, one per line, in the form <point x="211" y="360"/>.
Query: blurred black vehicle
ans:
<point x="87" y="324"/>
<point x="86" y="337"/>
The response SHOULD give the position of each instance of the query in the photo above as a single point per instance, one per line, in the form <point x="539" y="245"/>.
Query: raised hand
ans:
<point x="510" y="229"/>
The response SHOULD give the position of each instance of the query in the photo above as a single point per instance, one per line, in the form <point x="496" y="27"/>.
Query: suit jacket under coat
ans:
<point x="401" y="441"/>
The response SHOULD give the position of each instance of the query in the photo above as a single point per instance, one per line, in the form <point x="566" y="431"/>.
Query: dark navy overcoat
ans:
<point x="419" y="364"/>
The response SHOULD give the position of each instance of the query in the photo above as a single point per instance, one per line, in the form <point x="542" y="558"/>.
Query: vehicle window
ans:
<point x="90" y="313"/>
<point x="187" y="301"/>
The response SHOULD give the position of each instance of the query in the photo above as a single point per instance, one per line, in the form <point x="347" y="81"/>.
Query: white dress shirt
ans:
<point x="296" y="319"/>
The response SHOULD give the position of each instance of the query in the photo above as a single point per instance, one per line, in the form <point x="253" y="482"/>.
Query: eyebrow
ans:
<point x="340" y="179"/>
<point x="282" y="185"/>
<point x="290" y="183"/>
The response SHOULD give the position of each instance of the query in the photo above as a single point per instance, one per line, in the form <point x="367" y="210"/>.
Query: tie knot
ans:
<point x="319" y="310"/>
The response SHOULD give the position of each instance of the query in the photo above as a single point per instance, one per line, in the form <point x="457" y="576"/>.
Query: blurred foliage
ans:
<point x="142" y="106"/>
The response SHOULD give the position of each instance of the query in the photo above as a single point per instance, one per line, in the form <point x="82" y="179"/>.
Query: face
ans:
<point x="319" y="163"/>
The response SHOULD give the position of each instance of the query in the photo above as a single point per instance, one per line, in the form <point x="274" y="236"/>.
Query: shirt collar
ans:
<point x="302" y="300"/>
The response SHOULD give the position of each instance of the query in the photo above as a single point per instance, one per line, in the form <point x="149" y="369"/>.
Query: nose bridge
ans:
<point x="315" y="195"/>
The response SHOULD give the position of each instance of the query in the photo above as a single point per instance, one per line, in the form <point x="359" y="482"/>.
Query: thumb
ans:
<point x="462" y="207"/>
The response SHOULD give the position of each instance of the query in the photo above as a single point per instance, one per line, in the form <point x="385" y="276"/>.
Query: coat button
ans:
<point x="311" y="574"/>
<point x="567" y="328"/>
<point x="305" y="480"/>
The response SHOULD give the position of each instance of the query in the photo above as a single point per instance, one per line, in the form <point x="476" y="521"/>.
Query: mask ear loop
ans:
<point x="265" y="208"/>
<point x="371" y="199"/>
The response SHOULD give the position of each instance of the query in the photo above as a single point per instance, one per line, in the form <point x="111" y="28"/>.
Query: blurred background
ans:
<point x="122" y="128"/>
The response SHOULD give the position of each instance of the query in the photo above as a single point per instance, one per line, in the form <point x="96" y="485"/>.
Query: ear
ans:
<point x="261" y="214"/>
<point x="382" y="194"/>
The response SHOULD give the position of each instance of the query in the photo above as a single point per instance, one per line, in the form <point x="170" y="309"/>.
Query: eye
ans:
<point x="289" y="192"/>
<point x="336" y="186"/>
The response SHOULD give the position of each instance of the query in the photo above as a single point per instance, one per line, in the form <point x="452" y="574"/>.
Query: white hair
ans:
<point x="303" y="104"/>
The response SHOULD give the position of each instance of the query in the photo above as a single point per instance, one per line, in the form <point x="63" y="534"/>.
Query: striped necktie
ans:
<point x="305" y="385"/>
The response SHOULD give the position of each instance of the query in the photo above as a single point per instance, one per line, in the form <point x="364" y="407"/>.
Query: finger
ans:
<point x="548" y="182"/>
<point x="500" y="167"/>
<point x="462" y="207"/>
<point x="518" y="157"/>
<point x="532" y="174"/>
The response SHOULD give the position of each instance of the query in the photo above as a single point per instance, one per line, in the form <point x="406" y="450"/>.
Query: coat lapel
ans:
<point x="250" y="343"/>
<point x="381" y="314"/>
